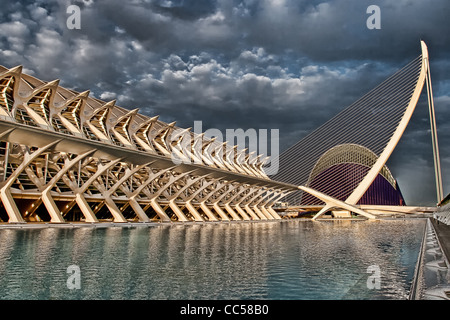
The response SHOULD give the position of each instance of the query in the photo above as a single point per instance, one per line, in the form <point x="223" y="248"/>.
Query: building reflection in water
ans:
<point x="270" y="260"/>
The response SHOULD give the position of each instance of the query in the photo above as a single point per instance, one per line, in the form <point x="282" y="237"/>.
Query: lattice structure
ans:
<point x="65" y="156"/>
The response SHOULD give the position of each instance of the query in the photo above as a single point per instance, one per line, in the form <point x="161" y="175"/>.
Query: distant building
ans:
<point x="339" y="171"/>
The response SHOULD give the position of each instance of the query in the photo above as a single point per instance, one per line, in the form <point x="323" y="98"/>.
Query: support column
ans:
<point x="252" y="214"/>
<point x="81" y="200"/>
<point x="255" y="193"/>
<point x="242" y="213"/>
<point x="138" y="210"/>
<point x="219" y="210"/>
<point x="196" y="214"/>
<point x="261" y="215"/>
<point x="434" y="137"/>
<point x="209" y="213"/>
<point x="10" y="206"/>
<point x="202" y="202"/>
<point x="267" y="213"/>
<point x="273" y="213"/>
<point x="255" y="210"/>
<point x="322" y="211"/>
<point x="281" y="195"/>
<point x="159" y="211"/>
<point x="5" y="194"/>
<point x="85" y="208"/>
<point x="180" y="214"/>
<point x="193" y="211"/>
<point x="115" y="211"/>
<point x="236" y="206"/>
<point x="154" y="204"/>
<point x="206" y="210"/>
<point x="262" y="204"/>
<point x="221" y="213"/>
<point x="47" y="199"/>
<point x="51" y="207"/>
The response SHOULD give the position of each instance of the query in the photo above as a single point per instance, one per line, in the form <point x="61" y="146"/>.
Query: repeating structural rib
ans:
<point x="5" y="190"/>
<point x="49" y="201"/>
<point x="60" y="148"/>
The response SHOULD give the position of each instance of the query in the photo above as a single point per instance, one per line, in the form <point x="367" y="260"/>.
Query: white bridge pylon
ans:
<point x="358" y="192"/>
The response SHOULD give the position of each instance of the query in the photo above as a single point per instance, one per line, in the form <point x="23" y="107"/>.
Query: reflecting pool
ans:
<point x="293" y="259"/>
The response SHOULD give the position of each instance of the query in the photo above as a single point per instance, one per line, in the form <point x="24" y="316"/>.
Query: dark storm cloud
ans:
<point x="185" y="10"/>
<point x="280" y="64"/>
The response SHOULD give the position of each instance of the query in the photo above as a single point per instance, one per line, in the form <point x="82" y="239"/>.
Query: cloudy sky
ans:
<point x="268" y="64"/>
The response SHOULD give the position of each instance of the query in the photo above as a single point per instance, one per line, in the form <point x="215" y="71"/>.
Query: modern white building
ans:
<point x="66" y="156"/>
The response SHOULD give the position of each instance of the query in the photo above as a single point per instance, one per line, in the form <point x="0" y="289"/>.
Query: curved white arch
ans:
<point x="384" y="156"/>
<point x="359" y="191"/>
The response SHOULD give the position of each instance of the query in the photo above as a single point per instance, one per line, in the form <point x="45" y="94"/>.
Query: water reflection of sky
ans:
<point x="274" y="260"/>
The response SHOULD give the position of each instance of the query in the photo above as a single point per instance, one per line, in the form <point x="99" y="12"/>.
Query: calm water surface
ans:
<point x="269" y="260"/>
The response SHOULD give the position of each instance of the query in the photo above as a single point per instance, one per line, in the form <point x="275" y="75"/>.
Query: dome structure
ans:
<point x="339" y="171"/>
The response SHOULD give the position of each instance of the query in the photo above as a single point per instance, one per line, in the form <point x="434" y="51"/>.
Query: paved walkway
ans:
<point x="443" y="233"/>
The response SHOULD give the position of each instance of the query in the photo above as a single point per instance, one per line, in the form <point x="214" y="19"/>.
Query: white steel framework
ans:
<point x="65" y="156"/>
